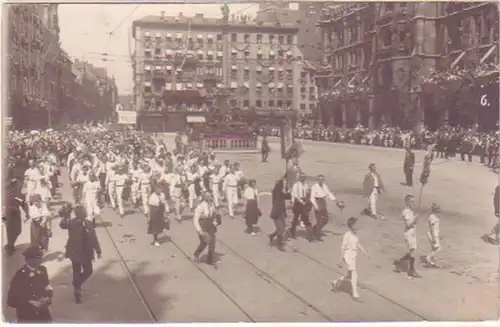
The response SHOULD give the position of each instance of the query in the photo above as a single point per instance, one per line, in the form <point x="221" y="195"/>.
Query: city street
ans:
<point x="136" y="282"/>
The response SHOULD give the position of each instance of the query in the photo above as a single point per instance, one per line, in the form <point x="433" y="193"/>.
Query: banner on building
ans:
<point x="127" y="117"/>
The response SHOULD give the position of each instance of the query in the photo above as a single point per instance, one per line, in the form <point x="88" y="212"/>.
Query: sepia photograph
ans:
<point x="250" y="162"/>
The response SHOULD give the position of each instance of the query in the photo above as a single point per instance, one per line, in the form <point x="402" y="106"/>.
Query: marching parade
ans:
<point x="229" y="164"/>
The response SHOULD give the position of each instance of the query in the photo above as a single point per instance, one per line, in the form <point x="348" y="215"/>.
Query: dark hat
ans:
<point x="33" y="252"/>
<point x="351" y="221"/>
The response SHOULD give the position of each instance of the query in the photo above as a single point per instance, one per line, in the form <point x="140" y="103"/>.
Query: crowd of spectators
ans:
<point x="447" y="141"/>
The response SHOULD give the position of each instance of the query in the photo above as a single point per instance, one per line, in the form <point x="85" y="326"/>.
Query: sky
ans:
<point x="85" y="31"/>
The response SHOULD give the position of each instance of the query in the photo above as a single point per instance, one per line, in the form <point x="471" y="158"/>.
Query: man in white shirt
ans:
<point x="205" y="221"/>
<point x="145" y="187"/>
<point x="80" y="179"/>
<point x="176" y="183"/>
<point x="120" y="179"/>
<point x="373" y="186"/>
<point x="301" y="205"/>
<point x="319" y="194"/>
<point x="433" y="235"/>
<point x="135" y="173"/>
<point x="90" y="192"/>
<point x="32" y="178"/>
<point x="215" y="181"/>
<point x="231" y="189"/>
<point x="241" y="180"/>
<point x="410" y="234"/>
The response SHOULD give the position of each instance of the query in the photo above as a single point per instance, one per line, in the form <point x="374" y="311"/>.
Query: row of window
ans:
<point x="235" y="37"/>
<point x="208" y="54"/>
<point x="264" y="104"/>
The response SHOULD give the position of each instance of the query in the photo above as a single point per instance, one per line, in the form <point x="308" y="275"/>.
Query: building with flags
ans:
<point x="255" y="63"/>
<point x="382" y="62"/>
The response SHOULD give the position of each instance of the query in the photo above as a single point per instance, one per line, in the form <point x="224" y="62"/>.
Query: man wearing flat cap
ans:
<point x="30" y="292"/>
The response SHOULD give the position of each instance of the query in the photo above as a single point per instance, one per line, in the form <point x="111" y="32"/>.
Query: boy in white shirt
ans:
<point x="349" y="249"/>
<point x="433" y="235"/>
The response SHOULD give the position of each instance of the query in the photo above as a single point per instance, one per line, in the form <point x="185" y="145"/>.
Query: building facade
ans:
<point x="256" y="65"/>
<point x="42" y="86"/>
<point x="375" y="55"/>
<point x="33" y="64"/>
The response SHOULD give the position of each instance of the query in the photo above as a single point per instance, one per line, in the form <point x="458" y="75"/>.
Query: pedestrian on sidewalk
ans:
<point x="158" y="208"/>
<point x="80" y="248"/>
<point x="30" y="292"/>
<point x="349" y="251"/>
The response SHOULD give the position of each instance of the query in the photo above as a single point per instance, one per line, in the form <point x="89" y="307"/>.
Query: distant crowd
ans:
<point x="447" y="141"/>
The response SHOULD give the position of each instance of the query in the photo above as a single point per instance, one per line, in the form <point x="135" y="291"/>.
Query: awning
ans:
<point x="259" y="69"/>
<point x="280" y="69"/>
<point x="169" y="67"/>
<point x="158" y="35"/>
<point x="168" y="86"/>
<point x="179" y="35"/>
<point x="289" y="53"/>
<point x="234" y="67"/>
<point x="272" y="53"/>
<point x="210" y="53"/>
<point x="147" y="34"/>
<point x="158" y="67"/>
<point x="147" y="67"/>
<point x="219" y="53"/>
<point x="271" y="68"/>
<point x="168" y="51"/>
<point x="199" y="52"/>
<point x="234" y="51"/>
<point x="234" y="85"/>
<point x="179" y="86"/>
<point x="259" y="52"/>
<point x="147" y="83"/>
<point x="247" y="68"/>
<point x="169" y="35"/>
<point x="200" y="36"/>
<point x="290" y="86"/>
<point x="189" y="85"/>
<point x="245" y="84"/>
<point x="190" y="52"/>
<point x="271" y="85"/>
<point x="178" y="51"/>
<point x="179" y="70"/>
<point x="210" y="36"/>
<point x="280" y="85"/>
<point x="196" y="119"/>
<point x="199" y="85"/>
<point x="259" y="85"/>
<point x="219" y="85"/>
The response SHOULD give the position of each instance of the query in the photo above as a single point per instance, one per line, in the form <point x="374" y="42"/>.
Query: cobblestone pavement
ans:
<point x="136" y="282"/>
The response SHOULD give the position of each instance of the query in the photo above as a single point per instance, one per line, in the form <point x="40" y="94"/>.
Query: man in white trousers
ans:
<point x="230" y="188"/>
<point x="373" y="187"/>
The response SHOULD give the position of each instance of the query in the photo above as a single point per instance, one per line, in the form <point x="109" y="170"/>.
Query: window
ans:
<point x="259" y="56"/>
<point x="233" y="102"/>
<point x="281" y="39"/>
<point x="246" y="103"/>
<point x="247" y="54"/>
<point x="288" y="103"/>
<point x="259" y="38"/>
<point x="259" y="73"/>
<point x="234" y="37"/>
<point x="147" y="54"/>
<point x="234" y="74"/>
<point x="271" y="38"/>
<point x="219" y="37"/>
<point x="210" y="57"/>
<point x="302" y="90"/>
<point x="271" y="103"/>
<point x="302" y="106"/>
<point x="246" y="38"/>
<point x="280" y="103"/>
<point x="281" y="53"/>
<point x="246" y="75"/>
<point x="157" y="52"/>
<point x="200" y="56"/>
<point x="303" y="74"/>
<point x="289" y="39"/>
<point x="258" y="103"/>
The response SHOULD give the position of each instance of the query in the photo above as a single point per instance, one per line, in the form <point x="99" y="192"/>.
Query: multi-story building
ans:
<point x="257" y="64"/>
<point x="33" y="64"/>
<point x="305" y="17"/>
<point x="374" y="55"/>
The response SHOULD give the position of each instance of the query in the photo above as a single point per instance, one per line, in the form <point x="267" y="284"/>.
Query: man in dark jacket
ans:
<point x="30" y="292"/>
<point x="493" y="235"/>
<point x="265" y="149"/>
<point x="80" y="248"/>
<point x="408" y="166"/>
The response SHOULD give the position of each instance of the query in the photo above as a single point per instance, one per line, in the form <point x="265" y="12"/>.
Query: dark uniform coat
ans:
<point x="82" y="240"/>
<point x="30" y="284"/>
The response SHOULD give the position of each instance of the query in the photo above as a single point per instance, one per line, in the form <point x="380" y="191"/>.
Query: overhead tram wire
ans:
<point x="112" y="32"/>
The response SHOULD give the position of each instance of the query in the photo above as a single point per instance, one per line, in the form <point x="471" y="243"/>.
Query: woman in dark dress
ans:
<point x="13" y="224"/>
<point x="279" y="196"/>
<point x="156" y="223"/>
<point x="252" y="211"/>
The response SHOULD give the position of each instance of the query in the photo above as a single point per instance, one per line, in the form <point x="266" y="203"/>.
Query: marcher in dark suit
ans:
<point x="408" y="166"/>
<point x="279" y="195"/>
<point x="493" y="236"/>
<point x="80" y="247"/>
<point x="265" y="149"/>
<point x="30" y="292"/>
<point x="12" y="215"/>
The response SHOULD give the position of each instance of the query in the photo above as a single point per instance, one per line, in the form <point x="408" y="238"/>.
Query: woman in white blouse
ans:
<point x="252" y="211"/>
<point x="157" y="209"/>
<point x="40" y="229"/>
